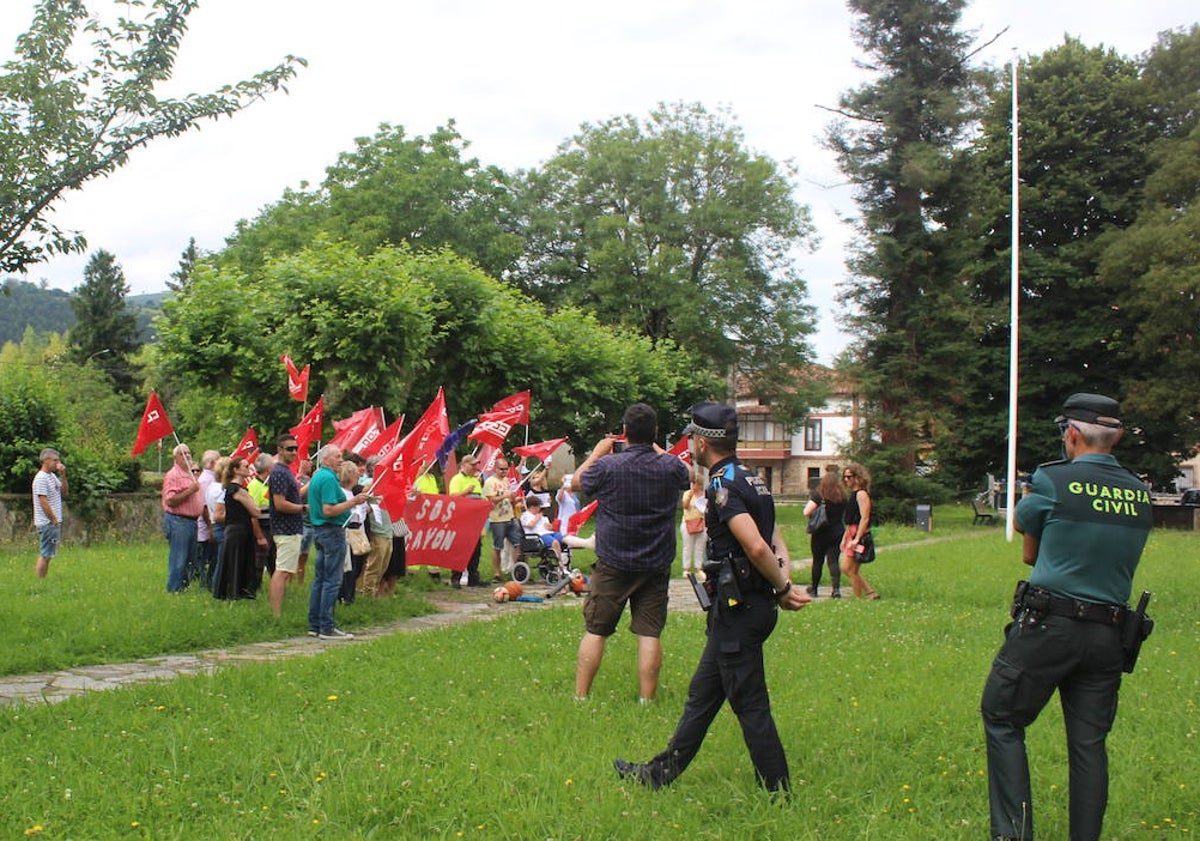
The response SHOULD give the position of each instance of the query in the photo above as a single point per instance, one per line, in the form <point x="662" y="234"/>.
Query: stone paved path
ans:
<point x="453" y="608"/>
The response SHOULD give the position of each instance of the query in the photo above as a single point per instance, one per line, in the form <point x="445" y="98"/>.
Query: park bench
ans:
<point x="983" y="514"/>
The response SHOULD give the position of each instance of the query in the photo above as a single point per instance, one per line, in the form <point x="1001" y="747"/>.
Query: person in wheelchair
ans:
<point x="535" y="523"/>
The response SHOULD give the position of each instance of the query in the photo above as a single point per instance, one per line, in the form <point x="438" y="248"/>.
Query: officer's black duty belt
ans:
<point x="1043" y="601"/>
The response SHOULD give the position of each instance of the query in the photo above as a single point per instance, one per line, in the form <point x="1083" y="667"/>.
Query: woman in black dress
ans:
<point x="236" y="570"/>
<point x="858" y="524"/>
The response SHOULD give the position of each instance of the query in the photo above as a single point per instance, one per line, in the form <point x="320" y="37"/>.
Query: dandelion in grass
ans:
<point x="331" y="698"/>
<point x="134" y="824"/>
<point x="34" y="830"/>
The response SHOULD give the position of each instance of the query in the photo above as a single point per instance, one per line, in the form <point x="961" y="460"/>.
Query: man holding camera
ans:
<point x="1085" y="522"/>
<point x="748" y="575"/>
<point x="637" y="484"/>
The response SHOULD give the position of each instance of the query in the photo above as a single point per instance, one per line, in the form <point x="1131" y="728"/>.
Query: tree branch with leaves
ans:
<point x="65" y="121"/>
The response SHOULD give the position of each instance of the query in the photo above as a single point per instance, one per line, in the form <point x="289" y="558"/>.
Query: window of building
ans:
<point x="812" y="435"/>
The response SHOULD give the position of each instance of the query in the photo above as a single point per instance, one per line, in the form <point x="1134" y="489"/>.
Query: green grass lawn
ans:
<point x="471" y="732"/>
<point x="106" y="604"/>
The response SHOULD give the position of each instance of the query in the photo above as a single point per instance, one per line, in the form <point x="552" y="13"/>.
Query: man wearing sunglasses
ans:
<point x="1085" y="521"/>
<point x="287" y="518"/>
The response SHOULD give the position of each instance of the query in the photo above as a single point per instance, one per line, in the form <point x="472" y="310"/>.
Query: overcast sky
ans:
<point x="519" y="78"/>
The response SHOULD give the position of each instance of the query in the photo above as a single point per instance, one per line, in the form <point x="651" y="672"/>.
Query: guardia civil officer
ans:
<point x="749" y="564"/>
<point x="1085" y="521"/>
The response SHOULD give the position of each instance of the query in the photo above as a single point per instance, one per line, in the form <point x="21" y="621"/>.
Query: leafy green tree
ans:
<point x="1087" y="127"/>
<point x="105" y="330"/>
<point x="47" y="400"/>
<point x="70" y="113"/>
<point x="899" y="139"/>
<point x="673" y="228"/>
<point x="393" y="190"/>
<point x="387" y="329"/>
<point x="1149" y="269"/>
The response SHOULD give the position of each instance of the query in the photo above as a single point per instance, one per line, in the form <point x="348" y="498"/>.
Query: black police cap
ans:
<point x="1091" y="408"/>
<point x="713" y="420"/>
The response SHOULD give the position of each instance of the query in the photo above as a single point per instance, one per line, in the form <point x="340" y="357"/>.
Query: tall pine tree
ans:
<point x="898" y="140"/>
<point x="105" y="332"/>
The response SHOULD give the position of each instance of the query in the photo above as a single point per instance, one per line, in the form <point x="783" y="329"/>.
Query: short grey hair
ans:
<point x="48" y="452"/>
<point x="1095" y="435"/>
<point x="325" y="452"/>
<point x="264" y="463"/>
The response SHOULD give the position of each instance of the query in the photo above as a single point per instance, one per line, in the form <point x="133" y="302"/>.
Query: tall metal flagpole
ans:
<point x="1014" y="312"/>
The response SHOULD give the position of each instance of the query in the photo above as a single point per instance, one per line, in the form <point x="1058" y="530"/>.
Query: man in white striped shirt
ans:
<point x="49" y="488"/>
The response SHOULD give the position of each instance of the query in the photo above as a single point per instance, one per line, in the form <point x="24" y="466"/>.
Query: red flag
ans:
<point x="487" y="459"/>
<point x="494" y="426"/>
<point x="297" y="380"/>
<point x="248" y="448"/>
<point x="540" y="451"/>
<point x="681" y="450"/>
<point x="155" y="424"/>
<point x="576" y="520"/>
<point x="429" y="431"/>
<point x="308" y="430"/>
<point x="358" y="430"/>
<point x="520" y="401"/>
<point x="385" y="441"/>
<point x="445" y="529"/>
<point x="394" y="477"/>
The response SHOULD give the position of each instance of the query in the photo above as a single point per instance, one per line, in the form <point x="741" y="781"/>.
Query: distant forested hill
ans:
<point x="47" y="310"/>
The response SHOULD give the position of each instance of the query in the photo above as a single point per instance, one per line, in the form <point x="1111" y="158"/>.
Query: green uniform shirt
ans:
<point x="325" y="489"/>
<point x="1092" y="518"/>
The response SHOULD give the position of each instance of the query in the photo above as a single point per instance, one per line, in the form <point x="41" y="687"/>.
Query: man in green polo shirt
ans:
<point x="1085" y="522"/>
<point x="329" y="509"/>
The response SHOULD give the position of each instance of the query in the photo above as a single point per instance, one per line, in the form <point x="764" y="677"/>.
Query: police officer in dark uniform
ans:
<point x="748" y="579"/>
<point x="1085" y="521"/>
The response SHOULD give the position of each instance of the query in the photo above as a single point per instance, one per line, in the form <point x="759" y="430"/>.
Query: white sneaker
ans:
<point x="335" y="634"/>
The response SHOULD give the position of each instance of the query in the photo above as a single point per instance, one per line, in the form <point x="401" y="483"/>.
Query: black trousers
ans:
<point x="826" y="547"/>
<point x="730" y="669"/>
<point x="1082" y="660"/>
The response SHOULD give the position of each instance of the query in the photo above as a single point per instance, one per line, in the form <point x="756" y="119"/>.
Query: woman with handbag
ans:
<point x="825" y="541"/>
<point x="691" y="530"/>
<point x="857" y="540"/>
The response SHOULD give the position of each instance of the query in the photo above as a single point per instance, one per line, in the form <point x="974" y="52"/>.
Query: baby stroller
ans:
<point x="550" y="569"/>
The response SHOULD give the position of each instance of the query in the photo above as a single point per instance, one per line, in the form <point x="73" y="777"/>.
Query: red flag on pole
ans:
<point x="297" y="380"/>
<point x="487" y="459"/>
<point x="494" y="426"/>
<point x="309" y="430"/>
<point x="429" y="431"/>
<point x="519" y="401"/>
<point x="394" y="477"/>
<point x="248" y="448"/>
<point x="359" y="430"/>
<point x="155" y="424"/>
<point x="540" y="451"/>
<point x="385" y="441"/>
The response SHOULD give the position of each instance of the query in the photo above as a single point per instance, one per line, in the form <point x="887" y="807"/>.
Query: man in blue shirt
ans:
<point x="638" y="490"/>
<point x="329" y="509"/>
<point x="1085" y="522"/>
